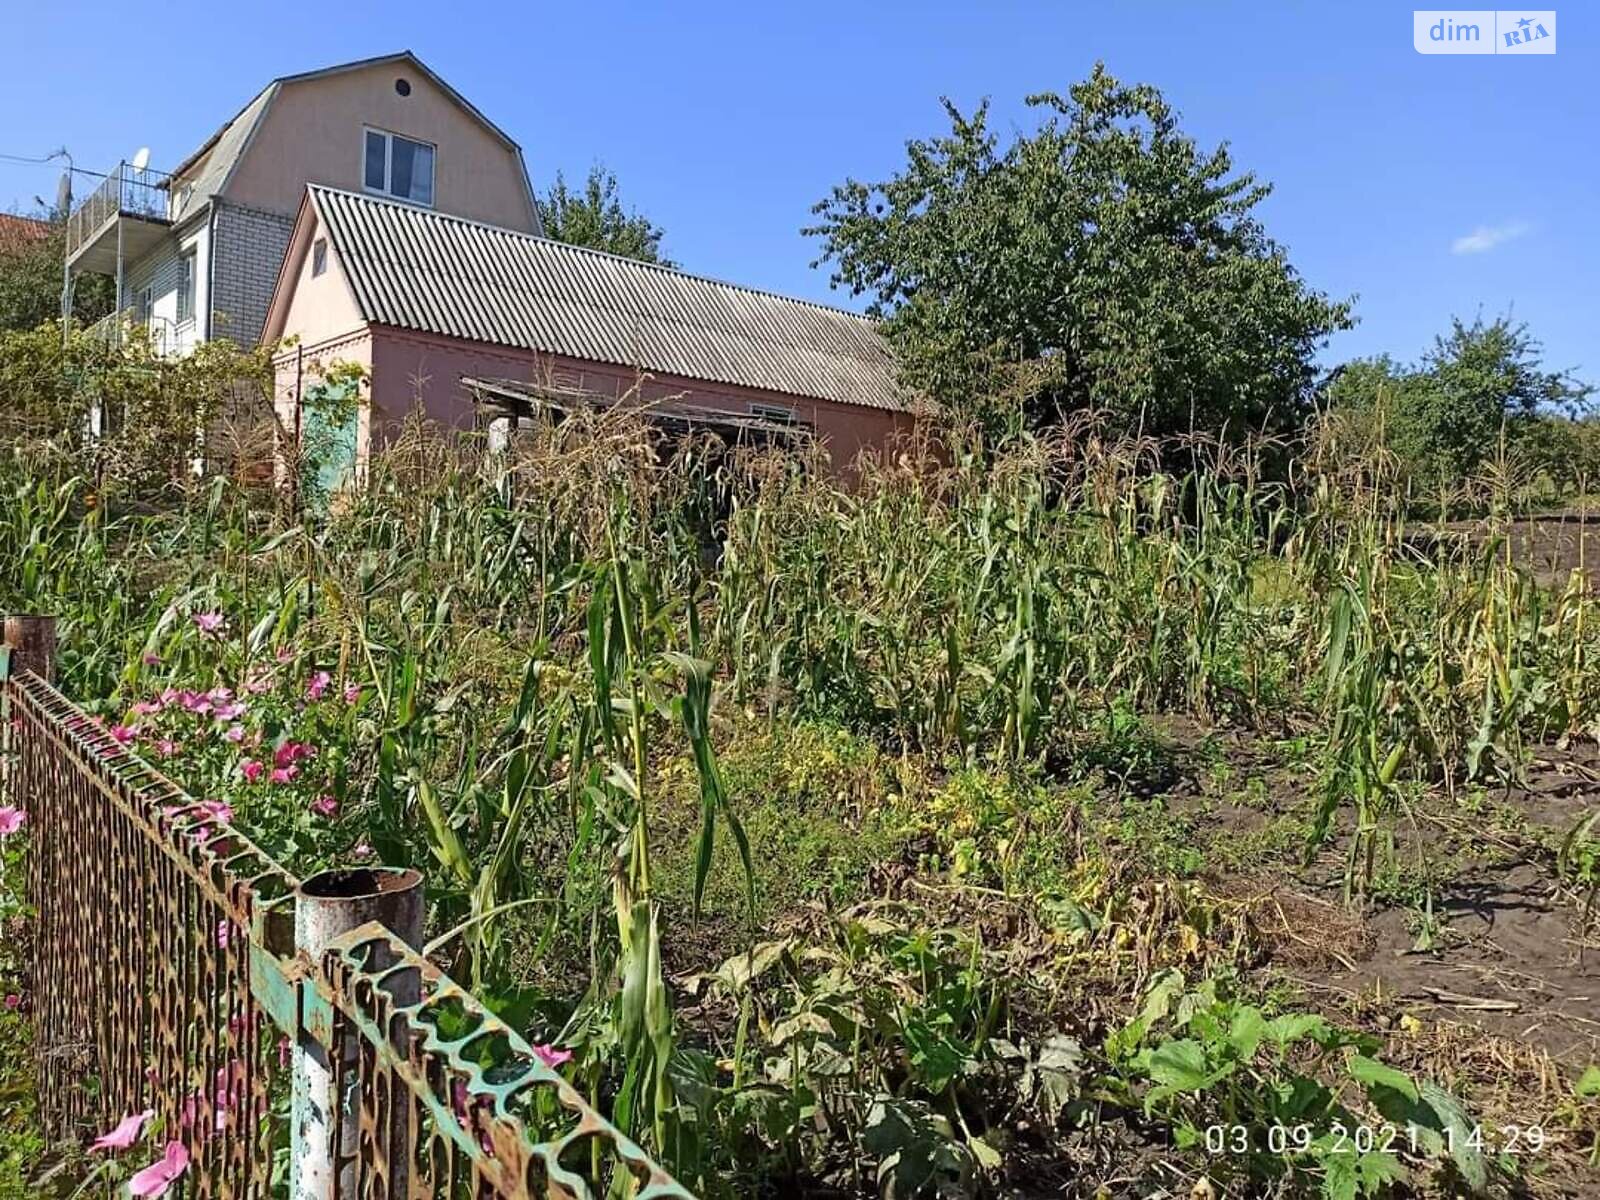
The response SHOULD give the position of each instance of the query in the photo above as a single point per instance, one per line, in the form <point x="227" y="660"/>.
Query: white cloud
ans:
<point x="1487" y="237"/>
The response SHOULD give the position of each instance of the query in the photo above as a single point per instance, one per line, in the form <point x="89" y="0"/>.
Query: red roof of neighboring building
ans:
<point x="15" y="230"/>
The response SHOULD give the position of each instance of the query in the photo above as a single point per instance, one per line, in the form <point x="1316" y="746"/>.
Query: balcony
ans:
<point x="127" y="212"/>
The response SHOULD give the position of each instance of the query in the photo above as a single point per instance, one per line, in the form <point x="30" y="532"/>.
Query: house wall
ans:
<point x="249" y="247"/>
<point x="312" y="132"/>
<point x="320" y="307"/>
<point x="296" y="369"/>
<point x="159" y="271"/>
<point x="409" y="368"/>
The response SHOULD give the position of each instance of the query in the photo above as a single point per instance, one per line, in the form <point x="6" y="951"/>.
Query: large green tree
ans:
<point x="1480" y="383"/>
<point x="31" y="254"/>
<point x="1102" y="260"/>
<point x="594" y="216"/>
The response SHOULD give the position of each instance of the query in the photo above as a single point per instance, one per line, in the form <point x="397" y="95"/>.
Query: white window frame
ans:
<point x="188" y="263"/>
<point x="388" y="136"/>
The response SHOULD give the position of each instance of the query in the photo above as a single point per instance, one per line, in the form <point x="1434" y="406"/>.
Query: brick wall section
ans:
<point x="248" y="245"/>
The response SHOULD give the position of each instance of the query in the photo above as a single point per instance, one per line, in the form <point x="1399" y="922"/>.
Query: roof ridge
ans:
<point x="661" y="267"/>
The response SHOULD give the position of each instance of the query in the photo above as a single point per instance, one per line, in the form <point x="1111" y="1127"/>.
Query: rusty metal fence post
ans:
<point x="32" y="640"/>
<point x="325" y="1124"/>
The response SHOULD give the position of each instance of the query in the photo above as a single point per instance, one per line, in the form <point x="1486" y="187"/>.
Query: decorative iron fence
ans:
<point x="285" y="1031"/>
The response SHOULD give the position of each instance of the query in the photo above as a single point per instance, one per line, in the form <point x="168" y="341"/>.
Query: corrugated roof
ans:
<point x="217" y="157"/>
<point x="414" y="268"/>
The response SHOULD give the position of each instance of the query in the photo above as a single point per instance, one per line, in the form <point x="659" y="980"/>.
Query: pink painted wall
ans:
<point x="410" y="368"/>
<point x="313" y="133"/>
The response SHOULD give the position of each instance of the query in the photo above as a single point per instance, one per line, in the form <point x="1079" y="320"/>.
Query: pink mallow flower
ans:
<point x="12" y="819"/>
<point x="146" y="708"/>
<point x="234" y="734"/>
<point x="160" y="1175"/>
<point x="229" y="710"/>
<point x="284" y="774"/>
<point x="352" y="692"/>
<point x="552" y="1056"/>
<point x="252" y="770"/>
<point x="209" y="622"/>
<point x="13" y="1001"/>
<point x="361" y="850"/>
<point x="125" y="1134"/>
<point x="325" y="806"/>
<point x="124" y="733"/>
<point x="166" y="747"/>
<point x="292" y="752"/>
<point x="318" y="685"/>
<point x="216" y="810"/>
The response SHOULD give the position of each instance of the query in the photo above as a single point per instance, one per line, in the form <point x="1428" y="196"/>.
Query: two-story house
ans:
<point x="196" y="251"/>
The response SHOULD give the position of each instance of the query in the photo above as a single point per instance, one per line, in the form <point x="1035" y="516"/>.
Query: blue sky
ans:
<point x="1424" y="186"/>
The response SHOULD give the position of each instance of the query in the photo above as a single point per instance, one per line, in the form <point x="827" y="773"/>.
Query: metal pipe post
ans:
<point x="326" y="906"/>
<point x="33" y="645"/>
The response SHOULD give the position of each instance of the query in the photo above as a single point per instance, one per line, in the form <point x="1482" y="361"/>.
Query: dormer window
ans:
<point x="399" y="167"/>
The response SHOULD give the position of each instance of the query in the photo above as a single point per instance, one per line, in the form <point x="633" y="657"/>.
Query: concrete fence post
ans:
<point x="326" y="906"/>
<point x="32" y="640"/>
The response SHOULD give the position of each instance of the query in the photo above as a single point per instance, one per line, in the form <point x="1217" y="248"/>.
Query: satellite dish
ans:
<point x="141" y="159"/>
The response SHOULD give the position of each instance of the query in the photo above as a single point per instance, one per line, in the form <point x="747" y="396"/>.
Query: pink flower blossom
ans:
<point x="284" y="654"/>
<point x="216" y="810"/>
<point x="125" y="1133"/>
<point x="284" y="774"/>
<point x="361" y="850"/>
<point x="13" y="1001"/>
<point x="152" y="660"/>
<point x="257" y="684"/>
<point x="124" y="733"/>
<point x="352" y="692"/>
<point x="12" y="819"/>
<point x="325" y="806"/>
<point x="166" y="747"/>
<point x="229" y="710"/>
<point x="234" y="734"/>
<point x="552" y="1056"/>
<point x="160" y="1175"/>
<point x="220" y="694"/>
<point x="145" y="708"/>
<point x="195" y="702"/>
<point x="252" y="770"/>
<point x="292" y="752"/>
<point x="318" y="685"/>
<point x="209" y="622"/>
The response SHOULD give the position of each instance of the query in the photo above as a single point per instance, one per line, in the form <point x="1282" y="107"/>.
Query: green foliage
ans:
<point x="595" y="217"/>
<point x="1480" y="388"/>
<point x="1262" y="1095"/>
<point x="156" y="411"/>
<point x="31" y="279"/>
<point x="1102" y="260"/>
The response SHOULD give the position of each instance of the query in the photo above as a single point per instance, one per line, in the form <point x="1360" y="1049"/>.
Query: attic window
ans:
<point x="319" y="256"/>
<point x="403" y="86"/>
<point x="396" y="166"/>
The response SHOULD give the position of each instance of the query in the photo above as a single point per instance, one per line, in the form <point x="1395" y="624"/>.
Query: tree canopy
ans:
<point x="1446" y="415"/>
<point x="31" y="254"/>
<point x="1103" y="260"/>
<point x="594" y="216"/>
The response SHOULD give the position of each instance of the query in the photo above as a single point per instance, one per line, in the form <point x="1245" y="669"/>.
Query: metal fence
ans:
<point x="282" y="1034"/>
